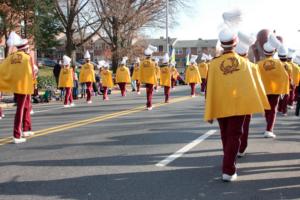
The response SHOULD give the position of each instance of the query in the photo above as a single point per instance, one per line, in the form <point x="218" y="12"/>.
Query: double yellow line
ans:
<point x="80" y="123"/>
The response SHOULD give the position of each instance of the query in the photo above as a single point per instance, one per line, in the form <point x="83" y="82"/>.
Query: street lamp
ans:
<point x="167" y="25"/>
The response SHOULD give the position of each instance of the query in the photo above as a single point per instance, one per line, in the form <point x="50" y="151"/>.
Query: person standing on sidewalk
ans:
<point x="123" y="76"/>
<point x="276" y="82"/>
<point x="66" y="81"/>
<point x="87" y="76"/>
<point x="107" y="81"/>
<point x="230" y="76"/>
<point x="148" y="74"/>
<point x="242" y="48"/>
<point x="16" y="76"/>
<point x="192" y="75"/>
<point x="165" y="77"/>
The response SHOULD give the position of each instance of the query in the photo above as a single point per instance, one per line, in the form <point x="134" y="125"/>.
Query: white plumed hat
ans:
<point x="15" y="40"/>
<point x="137" y="60"/>
<point x="274" y="41"/>
<point x="66" y="60"/>
<point x="227" y="37"/>
<point x="166" y="58"/>
<point x="291" y="53"/>
<point x="268" y="49"/>
<point x="282" y="51"/>
<point x="87" y="55"/>
<point x="124" y="60"/>
<point x="193" y="59"/>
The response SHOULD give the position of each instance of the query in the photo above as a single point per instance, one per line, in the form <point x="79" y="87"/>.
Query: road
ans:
<point x="114" y="150"/>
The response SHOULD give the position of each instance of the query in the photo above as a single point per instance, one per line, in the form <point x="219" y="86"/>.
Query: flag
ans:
<point x="173" y="56"/>
<point x="187" y="59"/>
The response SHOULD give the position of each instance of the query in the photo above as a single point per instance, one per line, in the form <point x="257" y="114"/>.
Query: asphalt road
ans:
<point x="111" y="150"/>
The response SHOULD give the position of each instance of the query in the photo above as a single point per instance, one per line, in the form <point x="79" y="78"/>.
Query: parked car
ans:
<point x="45" y="62"/>
<point x="80" y="62"/>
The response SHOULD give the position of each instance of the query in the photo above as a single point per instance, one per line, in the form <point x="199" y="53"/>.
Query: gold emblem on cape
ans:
<point x="269" y="65"/>
<point x="16" y="59"/>
<point x="229" y="65"/>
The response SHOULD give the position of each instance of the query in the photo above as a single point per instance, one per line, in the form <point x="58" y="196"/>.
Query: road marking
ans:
<point x="80" y="123"/>
<point x="185" y="149"/>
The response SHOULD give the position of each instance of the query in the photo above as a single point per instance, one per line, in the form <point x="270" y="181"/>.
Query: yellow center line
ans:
<point x="80" y="123"/>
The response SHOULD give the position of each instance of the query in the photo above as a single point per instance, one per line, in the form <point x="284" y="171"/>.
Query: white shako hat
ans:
<point x="297" y="59"/>
<point x="204" y="57"/>
<point x="101" y="63"/>
<point x="173" y="64"/>
<point x="245" y="41"/>
<point x="156" y="60"/>
<point x="228" y="38"/>
<point x="282" y="51"/>
<point x="193" y="59"/>
<point x="268" y="49"/>
<point x="124" y="60"/>
<point x="209" y="57"/>
<point x="137" y="60"/>
<point x="166" y="59"/>
<point x="291" y="53"/>
<point x="15" y="40"/>
<point x="150" y="49"/>
<point x="66" y="60"/>
<point x="87" y="55"/>
<point x="272" y="39"/>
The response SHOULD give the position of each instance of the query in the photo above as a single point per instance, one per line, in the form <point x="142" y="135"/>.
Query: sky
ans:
<point x="204" y="19"/>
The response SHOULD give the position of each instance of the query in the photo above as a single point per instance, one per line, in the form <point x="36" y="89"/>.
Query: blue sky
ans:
<point x="204" y="18"/>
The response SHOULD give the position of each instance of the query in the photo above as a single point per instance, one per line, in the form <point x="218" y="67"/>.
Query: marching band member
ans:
<point x="16" y="76"/>
<point x="66" y="81"/>
<point x="157" y="70"/>
<point x="136" y="75"/>
<point x="148" y="74"/>
<point x="242" y="49"/>
<point x="192" y="75"/>
<point x="295" y="77"/>
<point x="107" y="81"/>
<point x="123" y="76"/>
<point x="235" y="76"/>
<point x="283" y="102"/>
<point x="276" y="82"/>
<point x="87" y="76"/>
<point x="165" y="77"/>
<point x="203" y="69"/>
<point x="174" y="77"/>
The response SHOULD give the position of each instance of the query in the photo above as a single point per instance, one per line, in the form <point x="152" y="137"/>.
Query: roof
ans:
<point x="160" y="41"/>
<point x="195" y="43"/>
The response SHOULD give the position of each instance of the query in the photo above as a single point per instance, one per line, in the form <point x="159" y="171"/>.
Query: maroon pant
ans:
<point x="105" y="97"/>
<point x="1" y="112"/>
<point x="244" y="137"/>
<point x="231" y="132"/>
<point x="122" y="87"/>
<point x="203" y="85"/>
<point x="68" y="96"/>
<point x="296" y="93"/>
<point x="149" y="91"/>
<point x="270" y="115"/>
<point x="167" y="93"/>
<point x="292" y="96"/>
<point x="88" y="91"/>
<point x="173" y="82"/>
<point x="283" y="103"/>
<point x="138" y="85"/>
<point x="193" y="88"/>
<point x="22" y="116"/>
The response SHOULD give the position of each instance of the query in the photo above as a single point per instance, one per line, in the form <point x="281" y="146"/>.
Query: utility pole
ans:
<point x="167" y="26"/>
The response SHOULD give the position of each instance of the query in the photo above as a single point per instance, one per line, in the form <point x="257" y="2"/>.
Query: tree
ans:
<point x="46" y="25"/>
<point x="122" y="19"/>
<point x="69" y="12"/>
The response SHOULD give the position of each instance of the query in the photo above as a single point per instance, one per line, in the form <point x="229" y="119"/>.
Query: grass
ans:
<point x="46" y="71"/>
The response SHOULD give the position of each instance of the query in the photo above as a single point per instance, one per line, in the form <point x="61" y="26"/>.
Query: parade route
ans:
<point x="117" y="150"/>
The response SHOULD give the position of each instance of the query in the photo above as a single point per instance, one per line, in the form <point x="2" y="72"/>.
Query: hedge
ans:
<point x="44" y="81"/>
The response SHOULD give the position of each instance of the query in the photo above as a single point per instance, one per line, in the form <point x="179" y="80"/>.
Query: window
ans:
<point x="179" y="51"/>
<point x="188" y="51"/>
<point x="199" y="51"/>
<point x="160" y="48"/>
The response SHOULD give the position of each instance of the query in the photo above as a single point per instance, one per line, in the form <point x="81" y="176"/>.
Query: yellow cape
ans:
<point x="148" y="72"/>
<point x="87" y="73"/>
<point x="123" y="75"/>
<point x="165" y="76"/>
<point x="65" y="78"/>
<point x="136" y="73"/>
<point x="16" y="74"/>
<point x="274" y="76"/>
<point x="296" y="73"/>
<point x="203" y="69"/>
<point x="192" y="75"/>
<point x="231" y="88"/>
<point x="106" y="77"/>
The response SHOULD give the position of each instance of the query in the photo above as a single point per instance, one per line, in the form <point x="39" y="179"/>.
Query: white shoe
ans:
<point x="269" y="134"/>
<point x="284" y="114"/>
<point x="19" y="140"/>
<point x="290" y="107"/>
<point x="240" y="155"/>
<point x="229" y="178"/>
<point x="66" y="106"/>
<point x="193" y="96"/>
<point x="72" y="104"/>
<point x="27" y="133"/>
<point x="31" y="112"/>
<point x="138" y="93"/>
<point x="2" y="115"/>
<point x="150" y="108"/>
<point x="156" y="90"/>
<point x="89" y="102"/>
